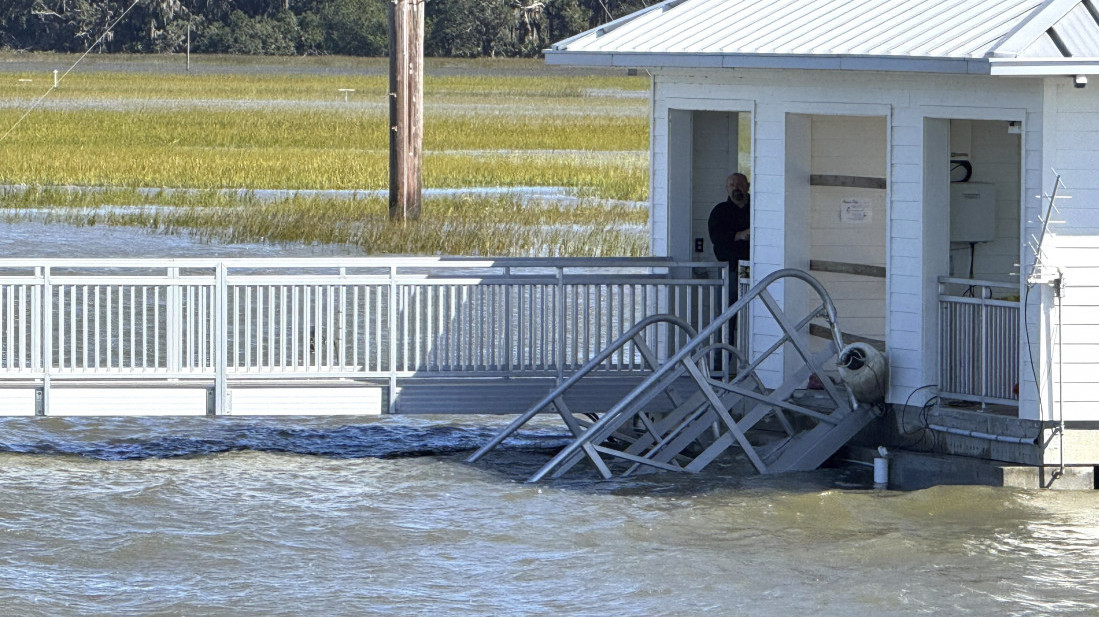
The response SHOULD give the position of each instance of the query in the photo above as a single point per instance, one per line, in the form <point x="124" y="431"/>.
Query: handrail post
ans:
<point x="46" y="305"/>
<point x="507" y="321"/>
<point x="174" y="326"/>
<point x="944" y="323"/>
<point x="341" y="332"/>
<point x="561" y="313"/>
<point x="392" y="338"/>
<point x="221" y="341"/>
<point x="727" y="279"/>
<point x="982" y="312"/>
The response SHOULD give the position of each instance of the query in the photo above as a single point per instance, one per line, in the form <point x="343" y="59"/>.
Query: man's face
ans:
<point x="737" y="188"/>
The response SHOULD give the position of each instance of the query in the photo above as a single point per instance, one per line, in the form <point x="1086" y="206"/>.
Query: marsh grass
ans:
<point x="255" y="124"/>
<point x="505" y="225"/>
<point x="621" y="176"/>
<point x="320" y="129"/>
<point x="315" y="78"/>
<point x="510" y="135"/>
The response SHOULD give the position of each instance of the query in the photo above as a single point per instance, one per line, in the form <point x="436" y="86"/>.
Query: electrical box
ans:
<point x="972" y="212"/>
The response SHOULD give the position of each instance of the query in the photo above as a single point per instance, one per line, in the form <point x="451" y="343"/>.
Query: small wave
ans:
<point x="386" y="438"/>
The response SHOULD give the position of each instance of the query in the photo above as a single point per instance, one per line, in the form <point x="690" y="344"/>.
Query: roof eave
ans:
<point x="1038" y="67"/>
<point x="616" y="23"/>
<point x="968" y="66"/>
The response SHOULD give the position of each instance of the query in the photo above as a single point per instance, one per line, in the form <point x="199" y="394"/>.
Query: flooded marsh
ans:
<point x="137" y="124"/>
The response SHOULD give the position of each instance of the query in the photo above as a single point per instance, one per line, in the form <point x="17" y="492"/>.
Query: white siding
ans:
<point x="1080" y="327"/>
<point x="907" y="101"/>
<point x="1074" y="244"/>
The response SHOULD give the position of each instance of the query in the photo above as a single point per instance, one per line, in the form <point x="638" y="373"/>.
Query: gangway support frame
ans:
<point x="726" y="410"/>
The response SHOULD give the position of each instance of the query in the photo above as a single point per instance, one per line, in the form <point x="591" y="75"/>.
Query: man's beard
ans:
<point x="738" y="196"/>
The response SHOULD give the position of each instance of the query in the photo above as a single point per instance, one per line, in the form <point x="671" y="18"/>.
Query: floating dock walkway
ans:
<point x="329" y="336"/>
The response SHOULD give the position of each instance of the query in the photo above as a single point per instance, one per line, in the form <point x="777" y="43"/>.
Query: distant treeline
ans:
<point x="464" y="28"/>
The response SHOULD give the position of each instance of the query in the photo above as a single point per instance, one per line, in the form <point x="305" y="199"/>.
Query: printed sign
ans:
<point x="856" y="211"/>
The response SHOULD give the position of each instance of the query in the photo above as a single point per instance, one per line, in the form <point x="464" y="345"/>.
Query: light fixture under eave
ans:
<point x="1080" y="81"/>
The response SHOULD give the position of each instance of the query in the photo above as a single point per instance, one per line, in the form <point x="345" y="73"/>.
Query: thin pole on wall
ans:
<point x="406" y="63"/>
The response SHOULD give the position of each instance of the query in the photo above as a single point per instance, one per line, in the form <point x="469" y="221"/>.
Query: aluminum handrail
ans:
<point x="978" y="343"/>
<point x="300" y="318"/>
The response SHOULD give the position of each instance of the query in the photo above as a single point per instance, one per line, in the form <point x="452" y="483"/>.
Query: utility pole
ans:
<point x="406" y="108"/>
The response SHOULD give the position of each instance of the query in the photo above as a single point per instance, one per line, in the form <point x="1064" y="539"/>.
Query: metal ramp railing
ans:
<point x="720" y="411"/>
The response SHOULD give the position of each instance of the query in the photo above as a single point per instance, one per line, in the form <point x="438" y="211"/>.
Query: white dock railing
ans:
<point x="290" y="321"/>
<point x="978" y="341"/>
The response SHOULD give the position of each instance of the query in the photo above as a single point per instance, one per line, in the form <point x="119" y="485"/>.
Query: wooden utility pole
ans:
<point x="406" y="108"/>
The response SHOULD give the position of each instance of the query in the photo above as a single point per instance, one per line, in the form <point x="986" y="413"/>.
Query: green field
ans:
<point x="233" y="123"/>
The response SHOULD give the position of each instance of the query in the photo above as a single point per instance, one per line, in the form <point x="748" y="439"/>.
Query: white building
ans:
<point x="850" y="117"/>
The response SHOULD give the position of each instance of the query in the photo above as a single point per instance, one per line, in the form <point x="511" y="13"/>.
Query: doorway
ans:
<point x="837" y="216"/>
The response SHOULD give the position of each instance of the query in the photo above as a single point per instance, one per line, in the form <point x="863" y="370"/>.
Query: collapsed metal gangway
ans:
<point x="711" y="410"/>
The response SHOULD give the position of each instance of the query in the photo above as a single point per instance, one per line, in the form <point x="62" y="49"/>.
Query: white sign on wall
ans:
<point x="856" y="211"/>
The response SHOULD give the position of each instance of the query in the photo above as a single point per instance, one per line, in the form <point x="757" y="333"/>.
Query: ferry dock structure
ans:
<point x="940" y="183"/>
<point x="366" y="336"/>
<point x="934" y="164"/>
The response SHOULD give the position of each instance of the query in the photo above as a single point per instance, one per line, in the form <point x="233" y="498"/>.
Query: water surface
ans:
<point x="326" y="516"/>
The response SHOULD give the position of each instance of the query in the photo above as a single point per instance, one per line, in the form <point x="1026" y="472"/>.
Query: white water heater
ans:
<point x="972" y="212"/>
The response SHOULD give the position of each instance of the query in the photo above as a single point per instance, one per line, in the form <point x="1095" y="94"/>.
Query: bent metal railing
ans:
<point x="720" y="410"/>
<point x="380" y="319"/>
<point x="978" y="341"/>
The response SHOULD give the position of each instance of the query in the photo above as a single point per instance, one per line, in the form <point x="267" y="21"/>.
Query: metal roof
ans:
<point x="968" y="36"/>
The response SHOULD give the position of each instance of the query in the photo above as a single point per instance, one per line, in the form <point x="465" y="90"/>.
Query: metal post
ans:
<point x="46" y="306"/>
<point x="982" y="313"/>
<point x="174" y="326"/>
<point x="561" y="334"/>
<point x="221" y="341"/>
<point x="392" y="339"/>
<point x="507" y="322"/>
<point x="1058" y="288"/>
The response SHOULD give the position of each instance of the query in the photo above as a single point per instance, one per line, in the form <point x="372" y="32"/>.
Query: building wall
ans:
<point x="1073" y="244"/>
<point x="850" y="146"/>
<point x="907" y="102"/>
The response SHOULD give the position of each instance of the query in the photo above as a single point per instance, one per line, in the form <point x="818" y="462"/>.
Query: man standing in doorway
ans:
<point x="729" y="225"/>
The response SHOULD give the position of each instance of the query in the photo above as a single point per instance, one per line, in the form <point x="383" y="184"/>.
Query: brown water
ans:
<point x="381" y="516"/>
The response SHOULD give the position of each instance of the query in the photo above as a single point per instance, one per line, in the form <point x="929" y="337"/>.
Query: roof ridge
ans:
<point x="1030" y="28"/>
